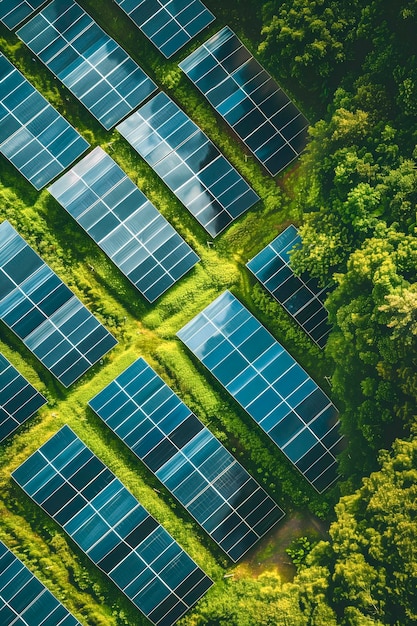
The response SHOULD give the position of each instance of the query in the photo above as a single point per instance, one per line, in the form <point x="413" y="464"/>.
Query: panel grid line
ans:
<point x="300" y="296"/>
<point x="268" y="383"/>
<point x="124" y="224"/>
<point x="188" y="163"/>
<point x="94" y="508"/>
<point x="246" y="96"/>
<point x="132" y="406"/>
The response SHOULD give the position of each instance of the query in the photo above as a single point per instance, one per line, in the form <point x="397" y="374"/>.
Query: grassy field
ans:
<point x="143" y="330"/>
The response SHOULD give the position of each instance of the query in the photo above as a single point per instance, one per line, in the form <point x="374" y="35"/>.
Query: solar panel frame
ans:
<point x="14" y="12"/>
<point x="269" y="384"/>
<point x="24" y="599"/>
<point x="34" y="137"/>
<point x="19" y="400"/>
<point x="152" y="421"/>
<point x="45" y="314"/>
<point x="188" y="163"/>
<point x="300" y="296"/>
<point x="74" y="487"/>
<point x="125" y="225"/>
<point x="92" y="65"/>
<point x="248" y="99"/>
<point x="180" y="26"/>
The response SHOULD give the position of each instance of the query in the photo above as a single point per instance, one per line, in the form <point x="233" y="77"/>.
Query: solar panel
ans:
<point x="40" y="309"/>
<point x="87" y="61"/>
<point x="13" y="12"/>
<point x="19" y="400"/>
<point x="188" y="163"/>
<point x="250" y="101"/>
<point x="196" y="468"/>
<point x="269" y="384"/>
<point x="169" y="24"/>
<point x="300" y="296"/>
<point x="126" y="226"/>
<point x="112" y="528"/>
<point x="33" y="135"/>
<point x="24" y="600"/>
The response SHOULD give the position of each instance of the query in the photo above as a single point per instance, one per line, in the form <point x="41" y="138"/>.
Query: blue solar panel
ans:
<point x="188" y="163"/>
<point x="49" y="319"/>
<point x="301" y="296"/>
<point x="24" y="600"/>
<point x="269" y="384"/>
<point x="13" y="12"/>
<point x="250" y="101"/>
<point x="87" y="61"/>
<point x="122" y="221"/>
<point x="196" y="468"/>
<point x="33" y="135"/>
<point x="19" y="400"/>
<point x="169" y="24"/>
<point x="104" y="519"/>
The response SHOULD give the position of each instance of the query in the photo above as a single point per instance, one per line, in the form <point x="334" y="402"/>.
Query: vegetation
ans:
<point x="352" y="69"/>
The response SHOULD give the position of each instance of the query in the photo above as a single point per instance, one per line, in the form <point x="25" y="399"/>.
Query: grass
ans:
<point x="142" y="330"/>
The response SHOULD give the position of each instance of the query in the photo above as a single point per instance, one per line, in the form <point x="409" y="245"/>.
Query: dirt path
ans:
<point x="270" y="553"/>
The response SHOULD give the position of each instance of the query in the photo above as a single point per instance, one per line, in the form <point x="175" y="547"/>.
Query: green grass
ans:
<point x="142" y="330"/>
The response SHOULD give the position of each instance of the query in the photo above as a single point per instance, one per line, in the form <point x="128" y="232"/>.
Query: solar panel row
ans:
<point x="24" y="600"/>
<point x="126" y="226"/>
<point x="188" y="163"/>
<point x="169" y="24"/>
<point x="45" y="314"/>
<point x="87" y="61"/>
<point x="104" y="519"/>
<point x="196" y="468"/>
<point x="33" y="135"/>
<point x="269" y="384"/>
<point x="19" y="400"/>
<point x="301" y="296"/>
<point x="250" y="101"/>
<point x="13" y="12"/>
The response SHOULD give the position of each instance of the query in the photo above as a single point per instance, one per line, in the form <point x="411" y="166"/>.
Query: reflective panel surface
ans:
<point x="114" y="530"/>
<point x="250" y="101"/>
<point x="188" y="163"/>
<point x="87" y="61"/>
<point x="186" y="457"/>
<point x="269" y="384"/>
<point x="169" y="24"/>
<point x="40" y="309"/>
<point x="19" y="400"/>
<point x="126" y="226"/>
<point x="300" y="296"/>
<point x="33" y="135"/>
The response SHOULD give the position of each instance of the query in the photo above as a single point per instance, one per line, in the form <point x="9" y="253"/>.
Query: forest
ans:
<point x="352" y="69"/>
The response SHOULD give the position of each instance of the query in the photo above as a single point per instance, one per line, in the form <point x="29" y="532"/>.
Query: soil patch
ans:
<point x="270" y="553"/>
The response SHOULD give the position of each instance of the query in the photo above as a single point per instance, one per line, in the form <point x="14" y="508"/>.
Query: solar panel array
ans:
<point x="87" y="61"/>
<point x="13" y="12"/>
<point x="19" y="400"/>
<point x="246" y="96"/>
<point x="269" y="384"/>
<point x="122" y="221"/>
<point x="33" y="135"/>
<point x="196" y="468"/>
<point x="104" y="519"/>
<point x="24" y="600"/>
<point x="188" y="163"/>
<point x="301" y="296"/>
<point x="169" y="24"/>
<point x="51" y="321"/>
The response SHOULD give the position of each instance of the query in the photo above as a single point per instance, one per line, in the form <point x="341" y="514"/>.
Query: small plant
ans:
<point x="299" y="549"/>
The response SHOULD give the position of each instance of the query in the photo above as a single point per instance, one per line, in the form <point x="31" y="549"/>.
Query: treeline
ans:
<point x="358" y="185"/>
